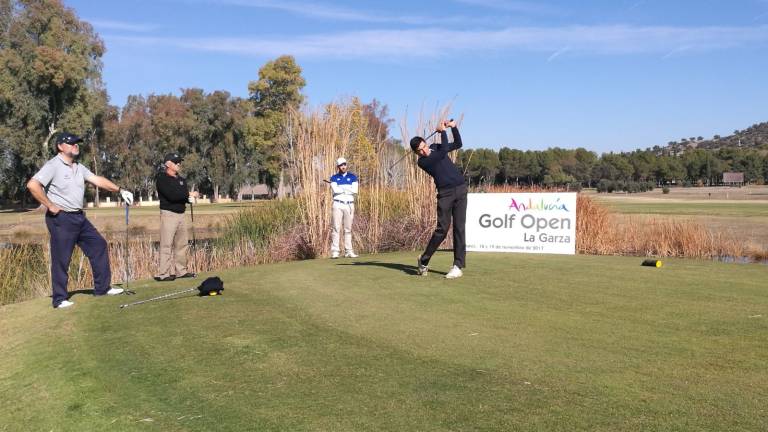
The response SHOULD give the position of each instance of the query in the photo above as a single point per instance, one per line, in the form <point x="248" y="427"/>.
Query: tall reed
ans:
<point x="395" y="206"/>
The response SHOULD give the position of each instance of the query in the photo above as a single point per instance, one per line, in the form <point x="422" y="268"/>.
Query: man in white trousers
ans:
<point x="344" y="187"/>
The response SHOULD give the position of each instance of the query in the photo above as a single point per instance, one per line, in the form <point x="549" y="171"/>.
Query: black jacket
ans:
<point x="173" y="192"/>
<point x="439" y="166"/>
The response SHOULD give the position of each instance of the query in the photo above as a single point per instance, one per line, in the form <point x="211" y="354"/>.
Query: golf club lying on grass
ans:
<point x="210" y="287"/>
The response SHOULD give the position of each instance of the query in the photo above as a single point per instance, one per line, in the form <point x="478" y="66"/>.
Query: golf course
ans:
<point x="521" y="342"/>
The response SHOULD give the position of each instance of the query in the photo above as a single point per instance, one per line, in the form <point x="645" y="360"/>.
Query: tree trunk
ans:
<point x="215" y="193"/>
<point x="51" y="132"/>
<point x="281" y="186"/>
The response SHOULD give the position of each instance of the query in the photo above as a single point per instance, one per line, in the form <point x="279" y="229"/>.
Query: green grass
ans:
<point x="740" y="209"/>
<point x="112" y="219"/>
<point x="522" y="342"/>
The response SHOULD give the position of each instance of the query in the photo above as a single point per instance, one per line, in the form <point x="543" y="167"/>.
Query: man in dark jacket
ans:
<point x="174" y="195"/>
<point x="451" y="196"/>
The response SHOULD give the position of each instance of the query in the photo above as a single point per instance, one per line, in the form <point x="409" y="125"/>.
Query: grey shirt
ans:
<point x="64" y="183"/>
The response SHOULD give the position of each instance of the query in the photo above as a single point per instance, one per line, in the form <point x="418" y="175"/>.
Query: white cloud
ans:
<point x="102" y="25"/>
<point x="307" y="9"/>
<point x="558" y="53"/>
<point x="527" y="7"/>
<point x="321" y="11"/>
<point x="421" y="43"/>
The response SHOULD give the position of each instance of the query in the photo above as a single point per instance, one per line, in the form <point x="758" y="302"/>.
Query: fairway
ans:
<point x="748" y="209"/>
<point x="521" y="342"/>
<point x="30" y="225"/>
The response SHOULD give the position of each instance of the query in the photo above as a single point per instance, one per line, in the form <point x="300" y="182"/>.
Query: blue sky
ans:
<point x="605" y="75"/>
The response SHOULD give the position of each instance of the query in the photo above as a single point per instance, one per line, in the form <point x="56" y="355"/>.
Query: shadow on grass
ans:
<point x="91" y="291"/>
<point x="405" y="268"/>
<point x="78" y="292"/>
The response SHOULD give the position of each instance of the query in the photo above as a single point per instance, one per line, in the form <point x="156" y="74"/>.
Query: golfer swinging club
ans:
<point x="60" y="186"/>
<point x="344" y="187"/>
<point x="451" y="196"/>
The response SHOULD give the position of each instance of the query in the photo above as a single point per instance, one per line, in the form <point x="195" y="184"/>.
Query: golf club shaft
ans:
<point x="194" y="239"/>
<point x="406" y="153"/>
<point x="156" y="298"/>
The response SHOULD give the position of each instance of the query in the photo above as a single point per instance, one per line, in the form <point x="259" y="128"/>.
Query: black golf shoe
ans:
<point x="188" y="275"/>
<point x="165" y="279"/>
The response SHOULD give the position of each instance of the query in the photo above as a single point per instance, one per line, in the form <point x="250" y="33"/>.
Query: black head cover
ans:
<point x="211" y="286"/>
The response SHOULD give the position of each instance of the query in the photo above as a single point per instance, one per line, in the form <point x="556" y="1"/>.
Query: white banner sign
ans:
<point x="521" y="222"/>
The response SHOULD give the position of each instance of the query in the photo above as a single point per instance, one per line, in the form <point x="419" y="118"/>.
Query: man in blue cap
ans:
<point x="60" y="187"/>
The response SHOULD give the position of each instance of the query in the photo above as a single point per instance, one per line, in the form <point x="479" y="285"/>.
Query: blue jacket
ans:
<point x="344" y="187"/>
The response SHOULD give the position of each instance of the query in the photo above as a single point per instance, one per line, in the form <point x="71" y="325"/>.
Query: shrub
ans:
<point x="574" y="186"/>
<point x="260" y="224"/>
<point x="665" y="190"/>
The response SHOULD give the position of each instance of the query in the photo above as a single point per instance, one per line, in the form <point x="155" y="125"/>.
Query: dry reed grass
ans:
<point x="395" y="206"/>
<point x="395" y="211"/>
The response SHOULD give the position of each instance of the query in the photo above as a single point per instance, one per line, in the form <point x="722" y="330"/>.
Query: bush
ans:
<point x="574" y="186"/>
<point x="665" y="190"/>
<point x="262" y="223"/>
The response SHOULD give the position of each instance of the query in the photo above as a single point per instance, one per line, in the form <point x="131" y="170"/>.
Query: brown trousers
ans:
<point x="173" y="244"/>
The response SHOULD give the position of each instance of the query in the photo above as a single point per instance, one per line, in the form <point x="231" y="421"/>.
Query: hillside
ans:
<point x="755" y="136"/>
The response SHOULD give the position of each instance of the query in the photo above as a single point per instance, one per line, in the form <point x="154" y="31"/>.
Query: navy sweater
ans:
<point x="439" y="166"/>
<point x="173" y="192"/>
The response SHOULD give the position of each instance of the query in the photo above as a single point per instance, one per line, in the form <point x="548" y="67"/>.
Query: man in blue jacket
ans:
<point x="344" y="187"/>
<point x="451" y="196"/>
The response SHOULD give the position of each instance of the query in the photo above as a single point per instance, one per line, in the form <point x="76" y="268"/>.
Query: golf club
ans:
<point x="389" y="170"/>
<point x="194" y="240"/>
<point x="126" y="291"/>
<point x="210" y="287"/>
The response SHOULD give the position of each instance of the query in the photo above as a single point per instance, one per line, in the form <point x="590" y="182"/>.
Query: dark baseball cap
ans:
<point x="173" y="157"/>
<point x="67" y="138"/>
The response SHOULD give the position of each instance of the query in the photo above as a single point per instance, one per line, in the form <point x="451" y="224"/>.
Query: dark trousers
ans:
<point x="68" y="230"/>
<point x="451" y="204"/>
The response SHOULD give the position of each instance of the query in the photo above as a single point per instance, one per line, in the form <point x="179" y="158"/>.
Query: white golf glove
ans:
<point x="127" y="196"/>
<point x="190" y="199"/>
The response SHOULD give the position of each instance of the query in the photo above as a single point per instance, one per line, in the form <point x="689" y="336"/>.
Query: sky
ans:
<point x="606" y="75"/>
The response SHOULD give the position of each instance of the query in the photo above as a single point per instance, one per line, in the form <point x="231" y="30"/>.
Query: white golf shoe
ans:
<point x="454" y="272"/>
<point x="65" y="304"/>
<point x="115" y="291"/>
<point x="334" y="254"/>
<point x="422" y="269"/>
<point x="350" y="254"/>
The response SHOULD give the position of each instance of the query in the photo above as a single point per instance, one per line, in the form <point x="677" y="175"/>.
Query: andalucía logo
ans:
<point x="538" y="205"/>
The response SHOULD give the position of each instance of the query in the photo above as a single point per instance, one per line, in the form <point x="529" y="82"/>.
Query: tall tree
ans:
<point x="50" y="64"/>
<point x="277" y="90"/>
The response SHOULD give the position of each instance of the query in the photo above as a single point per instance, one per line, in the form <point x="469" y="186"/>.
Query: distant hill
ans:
<point x="755" y="136"/>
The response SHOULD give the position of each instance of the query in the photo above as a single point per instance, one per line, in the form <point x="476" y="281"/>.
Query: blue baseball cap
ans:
<point x="68" y="138"/>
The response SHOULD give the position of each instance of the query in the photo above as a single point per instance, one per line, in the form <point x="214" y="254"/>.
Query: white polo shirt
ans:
<point x="64" y="183"/>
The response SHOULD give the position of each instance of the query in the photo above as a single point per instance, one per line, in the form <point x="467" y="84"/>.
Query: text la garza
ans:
<point x="546" y="238"/>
